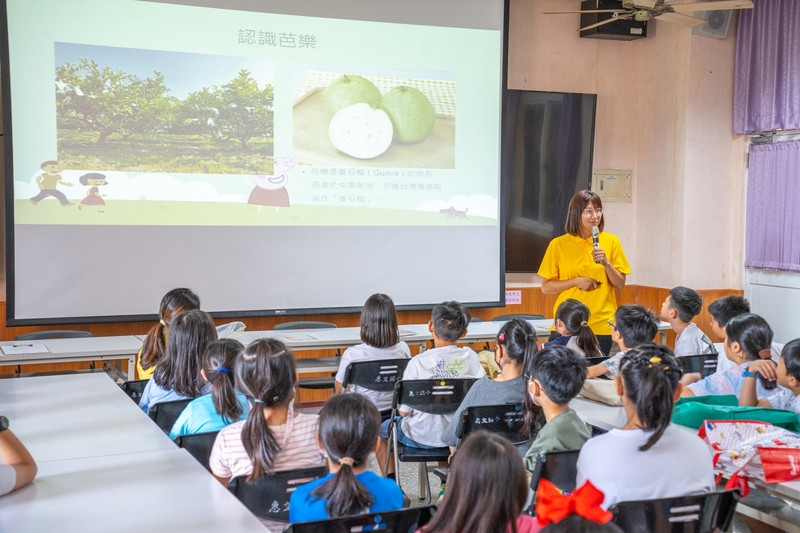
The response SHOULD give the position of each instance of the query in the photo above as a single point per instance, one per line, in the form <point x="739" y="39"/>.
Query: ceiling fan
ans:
<point x="643" y="10"/>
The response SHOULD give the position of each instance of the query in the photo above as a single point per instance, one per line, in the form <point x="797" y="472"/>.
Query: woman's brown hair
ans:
<point x="486" y="488"/>
<point x="172" y="303"/>
<point x="576" y="206"/>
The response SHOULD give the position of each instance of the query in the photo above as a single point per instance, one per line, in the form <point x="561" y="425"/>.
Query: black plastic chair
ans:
<point x="705" y="513"/>
<point x="134" y="389"/>
<point x="269" y="496"/>
<point x="506" y="318"/>
<point x="559" y="468"/>
<point x="402" y="521"/>
<point x="703" y="364"/>
<point x="164" y="414"/>
<point x="433" y="396"/>
<point x="596" y="360"/>
<point x="53" y="334"/>
<point x="379" y="375"/>
<point x="198" y="445"/>
<point x="310" y="383"/>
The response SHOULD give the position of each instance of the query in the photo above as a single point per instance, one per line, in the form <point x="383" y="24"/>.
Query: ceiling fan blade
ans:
<point x="708" y="6"/>
<point x="588" y="11"/>
<point x="649" y="4"/>
<point x="683" y="20"/>
<point x="607" y="21"/>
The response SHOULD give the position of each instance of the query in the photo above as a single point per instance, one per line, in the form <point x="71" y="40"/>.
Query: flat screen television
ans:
<point x="547" y="146"/>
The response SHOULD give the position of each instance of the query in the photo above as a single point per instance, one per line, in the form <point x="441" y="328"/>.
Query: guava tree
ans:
<point x="237" y="110"/>
<point x="94" y="98"/>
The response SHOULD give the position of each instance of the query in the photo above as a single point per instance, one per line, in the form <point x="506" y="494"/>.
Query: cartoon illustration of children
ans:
<point x="271" y="190"/>
<point x="93" y="196"/>
<point x="47" y="182"/>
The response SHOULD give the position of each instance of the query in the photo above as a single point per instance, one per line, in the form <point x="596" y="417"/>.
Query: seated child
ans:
<point x="446" y="360"/>
<point x="721" y="311"/>
<point x="155" y="344"/>
<point x="578" y="512"/>
<point x="556" y="376"/>
<point x="633" y="325"/>
<point x="223" y="405"/>
<point x="348" y="433"/>
<point x="647" y="458"/>
<point x="748" y="338"/>
<point x="379" y="338"/>
<point x="572" y="323"/>
<point x="786" y="374"/>
<point x="487" y="488"/>
<point x="680" y="307"/>
<point x="516" y="343"/>
<point x="177" y="375"/>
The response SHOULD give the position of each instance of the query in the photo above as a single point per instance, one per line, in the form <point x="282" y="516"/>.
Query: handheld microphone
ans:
<point x="596" y="239"/>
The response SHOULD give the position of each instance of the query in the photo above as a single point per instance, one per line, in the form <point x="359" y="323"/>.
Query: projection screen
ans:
<point x="277" y="157"/>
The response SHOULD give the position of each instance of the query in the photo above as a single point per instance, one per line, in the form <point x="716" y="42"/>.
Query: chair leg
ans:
<point x="423" y="485"/>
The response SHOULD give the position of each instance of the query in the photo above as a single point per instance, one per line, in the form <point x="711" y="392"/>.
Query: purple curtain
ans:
<point x="766" y="89"/>
<point x="772" y="239"/>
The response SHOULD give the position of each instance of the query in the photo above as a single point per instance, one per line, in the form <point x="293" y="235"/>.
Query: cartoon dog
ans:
<point x="452" y="212"/>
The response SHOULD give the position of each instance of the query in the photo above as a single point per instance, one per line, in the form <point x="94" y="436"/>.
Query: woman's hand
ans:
<point x="599" y="256"/>
<point x="586" y="284"/>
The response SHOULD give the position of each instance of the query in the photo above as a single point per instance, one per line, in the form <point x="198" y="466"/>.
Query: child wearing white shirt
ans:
<point x="648" y="457"/>
<point x="680" y="307"/>
<point x="633" y="325"/>
<point x="786" y="373"/>
<point x="446" y="360"/>
<point x="380" y="340"/>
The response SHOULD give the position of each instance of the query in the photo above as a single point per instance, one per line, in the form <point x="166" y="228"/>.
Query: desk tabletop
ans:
<point x="75" y="416"/>
<point x="164" y="490"/>
<point x="89" y="346"/>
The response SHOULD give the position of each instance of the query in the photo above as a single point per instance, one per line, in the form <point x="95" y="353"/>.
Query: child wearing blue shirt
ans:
<point x="223" y="405"/>
<point x="349" y="426"/>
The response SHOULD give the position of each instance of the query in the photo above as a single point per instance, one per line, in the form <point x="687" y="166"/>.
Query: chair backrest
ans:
<point x="434" y="396"/>
<point x="506" y="318"/>
<point x="705" y="513"/>
<point x="303" y="325"/>
<point x="559" y="468"/>
<point x="53" y="334"/>
<point x="166" y="413"/>
<point x="505" y="419"/>
<point x="199" y="445"/>
<point x="269" y="496"/>
<point x="475" y="320"/>
<point x="134" y="389"/>
<point x="402" y="521"/>
<point x="379" y="375"/>
<point x="596" y="360"/>
<point x="704" y="364"/>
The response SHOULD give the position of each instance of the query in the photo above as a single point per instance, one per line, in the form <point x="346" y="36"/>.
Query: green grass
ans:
<point x="156" y="213"/>
<point x="164" y="153"/>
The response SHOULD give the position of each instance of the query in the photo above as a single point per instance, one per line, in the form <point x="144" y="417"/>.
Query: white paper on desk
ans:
<point x="17" y="349"/>
<point x="406" y="332"/>
<point x="297" y="337"/>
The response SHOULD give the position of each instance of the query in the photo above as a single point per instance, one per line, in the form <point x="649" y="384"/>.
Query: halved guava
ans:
<point x="348" y="90"/>
<point x="411" y="112"/>
<point x="361" y="131"/>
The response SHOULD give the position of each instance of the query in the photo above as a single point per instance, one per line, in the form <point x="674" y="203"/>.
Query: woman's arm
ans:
<point x="615" y="277"/>
<point x="557" y="286"/>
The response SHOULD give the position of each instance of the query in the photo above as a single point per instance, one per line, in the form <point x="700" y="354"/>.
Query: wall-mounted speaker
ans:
<point x="623" y="29"/>
<point x="717" y="23"/>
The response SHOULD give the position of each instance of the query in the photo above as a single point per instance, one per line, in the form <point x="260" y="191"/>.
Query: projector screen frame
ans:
<point x="8" y="185"/>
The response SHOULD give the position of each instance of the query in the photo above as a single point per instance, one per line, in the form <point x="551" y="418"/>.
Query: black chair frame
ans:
<point x="164" y="414"/>
<point x="134" y="389"/>
<point x="402" y="521"/>
<point x="704" y="513"/>
<point x="379" y="375"/>
<point x="199" y="445"/>
<point x="703" y="364"/>
<point x="269" y="496"/>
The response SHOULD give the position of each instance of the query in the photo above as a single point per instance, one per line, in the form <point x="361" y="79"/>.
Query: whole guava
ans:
<point x="348" y="90"/>
<point x="361" y="131"/>
<point x="411" y="112"/>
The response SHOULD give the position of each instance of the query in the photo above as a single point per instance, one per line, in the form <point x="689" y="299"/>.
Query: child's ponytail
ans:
<point x="349" y="425"/>
<point x="754" y="337"/>
<point x="532" y="411"/>
<point x="575" y="316"/>
<point x="650" y="374"/>
<point x="219" y="364"/>
<point x="265" y="374"/>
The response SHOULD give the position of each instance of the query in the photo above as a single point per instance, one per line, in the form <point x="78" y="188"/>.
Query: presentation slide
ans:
<point x="130" y="120"/>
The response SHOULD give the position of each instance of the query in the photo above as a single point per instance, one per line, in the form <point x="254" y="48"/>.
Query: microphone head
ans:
<point x="595" y="231"/>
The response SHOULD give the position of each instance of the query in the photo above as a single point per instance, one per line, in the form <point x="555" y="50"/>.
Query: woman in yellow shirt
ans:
<point x="155" y="343"/>
<point x="573" y="268"/>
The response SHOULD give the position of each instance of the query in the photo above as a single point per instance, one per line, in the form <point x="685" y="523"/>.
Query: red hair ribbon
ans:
<point x="554" y="506"/>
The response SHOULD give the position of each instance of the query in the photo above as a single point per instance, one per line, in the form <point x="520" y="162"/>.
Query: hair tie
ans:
<point x="531" y="337"/>
<point x="501" y="337"/>
<point x="554" y="506"/>
<point x="256" y="400"/>
<point x="349" y="461"/>
<point x="161" y="321"/>
<point x="584" y="324"/>
<point x="222" y="369"/>
<point x="766" y="353"/>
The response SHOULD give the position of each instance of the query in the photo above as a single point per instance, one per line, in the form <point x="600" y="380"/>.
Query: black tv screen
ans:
<point x="547" y="146"/>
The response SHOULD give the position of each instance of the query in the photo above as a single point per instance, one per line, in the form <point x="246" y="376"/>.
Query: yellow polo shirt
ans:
<point x="570" y="257"/>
